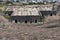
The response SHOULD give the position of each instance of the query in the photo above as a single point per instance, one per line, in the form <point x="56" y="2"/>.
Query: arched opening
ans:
<point x="25" y="21"/>
<point x="16" y="21"/>
<point x="51" y="14"/>
<point x="35" y="21"/>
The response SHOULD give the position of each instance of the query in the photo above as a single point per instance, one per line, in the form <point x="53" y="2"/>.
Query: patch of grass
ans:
<point x="9" y="2"/>
<point x="7" y="17"/>
<point x="43" y="18"/>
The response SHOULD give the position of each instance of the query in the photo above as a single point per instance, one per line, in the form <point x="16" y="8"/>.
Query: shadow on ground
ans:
<point x="52" y="26"/>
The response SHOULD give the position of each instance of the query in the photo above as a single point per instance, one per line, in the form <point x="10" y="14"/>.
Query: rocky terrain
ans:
<point x="13" y="31"/>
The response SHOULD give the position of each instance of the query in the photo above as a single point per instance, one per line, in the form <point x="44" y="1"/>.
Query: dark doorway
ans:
<point x="15" y="21"/>
<point x="9" y="14"/>
<point x="51" y="14"/>
<point x="35" y="21"/>
<point x="25" y="21"/>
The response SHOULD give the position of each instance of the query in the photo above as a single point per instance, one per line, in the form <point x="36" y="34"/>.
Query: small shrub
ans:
<point x="8" y="2"/>
<point x="43" y="18"/>
<point x="7" y="17"/>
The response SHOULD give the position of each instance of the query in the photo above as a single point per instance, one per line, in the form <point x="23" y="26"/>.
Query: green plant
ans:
<point x="7" y="17"/>
<point x="31" y="3"/>
<point x="8" y="2"/>
<point x="43" y="18"/>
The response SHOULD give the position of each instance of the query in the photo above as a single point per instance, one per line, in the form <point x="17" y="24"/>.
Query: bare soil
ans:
<point x="11" y="31"/>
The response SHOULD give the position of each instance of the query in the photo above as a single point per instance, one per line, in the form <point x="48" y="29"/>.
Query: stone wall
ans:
<point x="47" y="13"/>
<point x="26" y="19"/>
<point x="58" y="7"/>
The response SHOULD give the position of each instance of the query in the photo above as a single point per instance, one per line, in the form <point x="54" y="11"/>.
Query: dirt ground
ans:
<point x="11" y="31"/>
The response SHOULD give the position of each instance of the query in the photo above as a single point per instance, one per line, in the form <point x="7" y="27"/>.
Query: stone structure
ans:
<point x="26" y="19"/>
<point x="58" y="5"/>
<point x="30" y="13"/>
<point x="25" y="15"/>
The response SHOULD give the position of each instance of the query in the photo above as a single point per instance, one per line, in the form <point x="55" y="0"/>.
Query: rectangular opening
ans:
<point x="51" y="14"/>
<point x="25" y="21"/>
<point x="16" y="21"/>
<point x="35" y="21"/>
